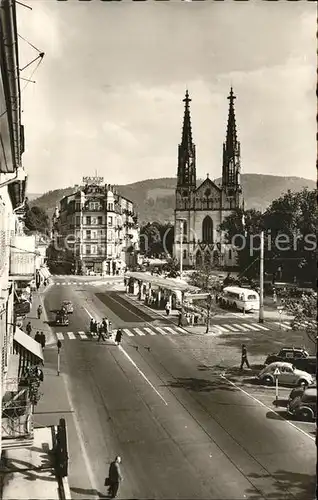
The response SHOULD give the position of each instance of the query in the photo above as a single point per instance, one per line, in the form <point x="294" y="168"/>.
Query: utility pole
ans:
<point x="261" y="281"/>
<point x="59" y="345"/>
<point x="181" y="245"/>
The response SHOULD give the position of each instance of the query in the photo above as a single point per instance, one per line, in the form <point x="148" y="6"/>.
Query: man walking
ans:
<point x="100" y="332"/>
<point x="42" y="340"/>
<point x="115" y="477"/>
<point x="39" y="311"/>
<point x="244" y="357"/>
<point x="29" y="328"/>
<point x="118" y="337"/>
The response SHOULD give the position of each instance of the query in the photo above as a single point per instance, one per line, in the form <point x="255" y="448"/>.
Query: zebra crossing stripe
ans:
<point x="170" y="330"/>
<point x="240" y="327"/>
<point x="82" y="335"/>
<point x="232" y="328"/>
<point x="71" y="335"/>
<point x="160" y="330"/>
<point x="151" y="332"/>
<point x="58" y="283"/>
<point x="250" y="327"/>
<point x="63" y="283"/>
<point x="179" y="329"/>
<point x="260" y="326"/>
<point x="128" y="332"/>
<point x="138" y="331"/>
<point x="60" y="336"/>
<point x="222" y="328"/>
<point x="286" y="325"/>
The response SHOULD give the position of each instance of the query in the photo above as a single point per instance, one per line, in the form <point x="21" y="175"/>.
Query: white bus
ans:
<point x="241" y="299"/>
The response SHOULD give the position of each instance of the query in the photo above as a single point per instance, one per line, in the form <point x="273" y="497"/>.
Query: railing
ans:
<point x="17" y="421"/>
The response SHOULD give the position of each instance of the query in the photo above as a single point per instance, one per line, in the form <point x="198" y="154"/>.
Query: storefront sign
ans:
<point x="93" y="180"/>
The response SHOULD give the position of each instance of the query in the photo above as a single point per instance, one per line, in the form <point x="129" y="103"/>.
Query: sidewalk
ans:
<point x="29" y="473"/>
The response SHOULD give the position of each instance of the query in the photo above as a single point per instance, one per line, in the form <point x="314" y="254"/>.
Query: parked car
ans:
<point x="288" y="375"/>
<point x="308" y="365"/>
<point x="61" y="318"/>
<point x="304" y="407"/>
<point x="67" y="306"/>
<point x="287" y="354"/>
<point x="298" y="391"/>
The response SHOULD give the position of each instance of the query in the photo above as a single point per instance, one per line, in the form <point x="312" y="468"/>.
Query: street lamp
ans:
<point x="261" y="281"/>
<point x="208" y="306"/>
<point x="181" y="220"/>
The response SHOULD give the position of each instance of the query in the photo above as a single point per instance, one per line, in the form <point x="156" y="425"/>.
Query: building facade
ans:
<point x="17" y="251"/>
<point x="200" y="210"/>
<point x="97" y="228"/>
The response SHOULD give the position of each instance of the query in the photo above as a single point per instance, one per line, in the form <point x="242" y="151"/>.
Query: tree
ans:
<point x="36" y="219"/>
<point x="304" y="312"/>
<point x="204" y="279"/>
<point x="156" y="239"/>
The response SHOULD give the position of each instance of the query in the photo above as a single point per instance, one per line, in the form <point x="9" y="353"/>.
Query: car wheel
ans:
<point x="305" y="414"/>
<point x="302" y="382"/>
<point x="268" y="380"/>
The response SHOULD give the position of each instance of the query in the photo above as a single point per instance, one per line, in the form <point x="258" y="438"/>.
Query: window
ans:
<point x="198" y="259"/>
<point x="94" y="221"/>
<point x="94" y="235"/>
<point x="93" y="249"/>
<point x="184" y="254"/>
<point x="207" y="230"/>
<point x="88" y="220"/>
<point x="94" y="205"/>
<point x="88" y="249"/>
<point x="77" y="220"/>
<point x="230" y="254"/>
<point x="88" y="234"/>
<point x="100" y="220"/>
<point x="110" y="221"/>
<point x="77" y="206"/>
<point x="110" y="207"/>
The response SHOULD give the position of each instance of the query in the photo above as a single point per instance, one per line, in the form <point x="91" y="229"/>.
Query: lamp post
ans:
<point x="261" y="281"/>
<point x="181" y="220"/>
<point x="208" y="306"/>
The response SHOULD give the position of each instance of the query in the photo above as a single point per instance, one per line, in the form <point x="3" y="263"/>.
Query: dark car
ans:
<point x="304" y="407"/>
<point x="61" y="318"/>
<point x="298" y="391"/>
<point x="288" y="354"/>
<point x="308" y="364"/>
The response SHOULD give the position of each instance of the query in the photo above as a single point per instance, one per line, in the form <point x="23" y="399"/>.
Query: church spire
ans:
<point x="186" y="151"/>
<point x="231" y="150"/>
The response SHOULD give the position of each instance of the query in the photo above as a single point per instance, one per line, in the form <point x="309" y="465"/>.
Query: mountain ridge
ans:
<point x="154" y="198"/>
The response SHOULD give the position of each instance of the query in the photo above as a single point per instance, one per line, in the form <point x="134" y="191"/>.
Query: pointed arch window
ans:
<point x="198" y="259"/>
<point x="207" y="230"/>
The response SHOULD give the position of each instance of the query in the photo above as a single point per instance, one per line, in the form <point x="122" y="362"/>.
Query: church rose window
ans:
<point x="207" y="230"/>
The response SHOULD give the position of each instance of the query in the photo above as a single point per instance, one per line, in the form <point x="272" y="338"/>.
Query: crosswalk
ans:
<point x="81" y="283"/>
<point x="129" y="332"/>
<point x="142" y="331"/>
<point x="285" y="325"/>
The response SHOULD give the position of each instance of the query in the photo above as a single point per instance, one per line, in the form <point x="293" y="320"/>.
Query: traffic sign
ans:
<point x="276" y="372"/>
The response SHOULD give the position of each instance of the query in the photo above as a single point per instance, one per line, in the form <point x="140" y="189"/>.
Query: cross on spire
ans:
<point x="231" y="97"/>
<point x="187" y="99"/>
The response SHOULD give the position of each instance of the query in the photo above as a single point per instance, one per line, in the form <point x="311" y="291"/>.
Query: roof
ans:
<point x="208" y="181"/>
<point x="169" y="283"/>
<point x="238" y="289"/>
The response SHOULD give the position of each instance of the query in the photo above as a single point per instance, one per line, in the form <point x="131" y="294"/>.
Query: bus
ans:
<point x="241" y="299"/>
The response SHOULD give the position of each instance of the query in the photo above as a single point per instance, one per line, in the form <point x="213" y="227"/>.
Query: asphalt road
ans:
<point x="182" y="432"/>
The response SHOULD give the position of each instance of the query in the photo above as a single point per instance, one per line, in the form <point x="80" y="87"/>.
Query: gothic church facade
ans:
<point x="199" y="210"/>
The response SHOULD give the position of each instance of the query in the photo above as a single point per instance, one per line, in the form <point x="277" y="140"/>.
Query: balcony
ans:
<point x="17" y="422"/>
<point x="22" y="258"/>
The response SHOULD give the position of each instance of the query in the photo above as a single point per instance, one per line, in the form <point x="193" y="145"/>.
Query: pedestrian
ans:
<point x="42" y="340"/>
<point x="274" y="297"/>
<point x="168" y="308"/>
<point x="37" y="337"/>
<point x="180" y="318"/>
<point x="39" y="311"/>
<point x="100" y="332"/>
<point x="28" y="328"/>
<point x="118" y="337"/>
<point x="114" y="477"/>
<point x="91" y="326"/>
<point x="44" y="283"/>
<point x="244" y="357"/>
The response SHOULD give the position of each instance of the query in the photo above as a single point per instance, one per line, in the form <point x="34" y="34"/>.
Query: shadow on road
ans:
<point x="287" y="485"/>
<point x="93" y="493"/>
<point x="201" y="385"/>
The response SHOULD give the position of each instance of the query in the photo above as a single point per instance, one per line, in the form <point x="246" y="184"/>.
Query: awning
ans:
<point x="29" y="350"/>
<point x="45" y="272"/>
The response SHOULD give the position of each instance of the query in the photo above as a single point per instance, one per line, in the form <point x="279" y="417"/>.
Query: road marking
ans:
<point x="58" y="283"/>
<point x="128" y="332"/>
<point x="60" y="336"/>
<point x="231" y="328"/>
<point x="240" y="327"/>
<point x="83" y="335"/>
<point x="148" y="330"/>
<point x="63" y="283"/>
<point x="143" y="375"/>
<point x="222" y="328"/>
<point x="137" y="330"/>
<point x="285" y="326"/>
<point x="181" y="329"/>
<point x="71" y="335"/>
<point x="250" y="327"/>
<point x="268" y="407"/>
<point x="260" y="326"/>
<point x="160" y="330"/>
<point x="81" y="440"/>
<point x="170" y="330"/>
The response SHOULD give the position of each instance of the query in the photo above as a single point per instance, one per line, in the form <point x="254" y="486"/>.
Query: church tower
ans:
<point x="231" y="169"/>
<point x="186" y="176"/>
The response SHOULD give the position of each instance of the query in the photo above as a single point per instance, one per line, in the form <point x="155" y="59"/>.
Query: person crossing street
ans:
<point x="118" y="337"/>
<point x="39" y="311"/>
<point x="114" y="477"/>
<point x="244" y="359"/>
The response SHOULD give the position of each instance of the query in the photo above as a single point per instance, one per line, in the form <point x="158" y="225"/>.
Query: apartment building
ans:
<point x="97" y="229"/>
<point x="17" y="251"/>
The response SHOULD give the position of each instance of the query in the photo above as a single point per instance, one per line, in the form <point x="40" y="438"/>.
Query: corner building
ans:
<point x="99" y="228"/>
<point x="200" y="210"/>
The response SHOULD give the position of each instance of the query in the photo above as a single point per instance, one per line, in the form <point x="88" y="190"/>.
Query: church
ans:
<point x="199" y="210"/>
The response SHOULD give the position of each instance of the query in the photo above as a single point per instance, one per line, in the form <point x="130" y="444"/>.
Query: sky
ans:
<point x="108" y="93"/>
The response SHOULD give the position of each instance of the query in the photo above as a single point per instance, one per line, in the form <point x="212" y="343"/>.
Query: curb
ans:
<point x="65" y="492"/>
